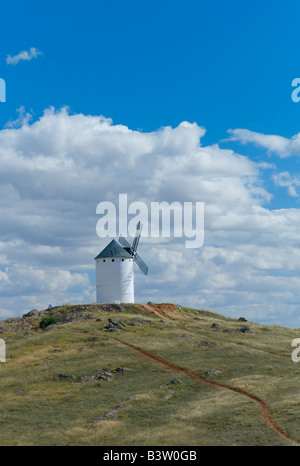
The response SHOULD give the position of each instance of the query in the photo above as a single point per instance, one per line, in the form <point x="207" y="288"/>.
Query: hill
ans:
<point x="155" y="374"/>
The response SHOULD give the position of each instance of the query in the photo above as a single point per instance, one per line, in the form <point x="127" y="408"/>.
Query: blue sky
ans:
<point x="221" y="65"/>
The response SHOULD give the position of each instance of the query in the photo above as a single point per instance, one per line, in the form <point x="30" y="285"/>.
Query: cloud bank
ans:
<point x="56" y="170"/>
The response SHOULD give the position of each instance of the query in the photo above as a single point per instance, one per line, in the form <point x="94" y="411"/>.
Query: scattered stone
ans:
<point x="113" y="413"/>
<point x="49" y="327"/>
<point x="212" y="372"/>
<point x="245" y="329"/>
<point x="113" y="326"/>
<point x="242" y="319"/>
<point x="166" y="397"/>
<point x="66" y="377"/>
<point x="121" y="369"/>
<point x="184" y="335"/>
<point x="289" y="411"/>
<point x="100" y="374"/>
<point x="114" y="322"/>
<point x="215" y="325"/>
<point x="118" y="307"/>
<point x="138" y="322"/>
<point x="175" y="381"/>
<point x="205" y="344"/>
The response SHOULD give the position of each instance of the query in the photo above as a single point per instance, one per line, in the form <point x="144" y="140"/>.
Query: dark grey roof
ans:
<point x="113" y="249"/>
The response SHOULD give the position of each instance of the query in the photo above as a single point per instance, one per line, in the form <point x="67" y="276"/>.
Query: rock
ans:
<point x="32" y="313"/>
<point x="113" y="325"/>
<point x="245" y="329"/>
<point x="49" y="327"/>
<point x="100" y="374"/>
<point x="175" y="381"/>
<point x="108" y="328"/>
<point x="121" y="369"/>
<point x="103" y="374"/>
<point x="204" y="344"/>
<point x="215" y="325"/>
<point x="138" y="322"/>
<point x="66" y="377"/>
<point x="212" y="372"/>
<point x="242" y="319"/>
<point x="118" y="307"/>
<point x="114" y="322"/>
<point x="108" y="415"/>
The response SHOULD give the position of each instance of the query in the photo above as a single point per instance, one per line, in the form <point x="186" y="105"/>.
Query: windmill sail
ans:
<point x="132" y="249"/>
<point x="139" y="261"/>
<point x="137" y="237"/>
<point x="124" y="243"/>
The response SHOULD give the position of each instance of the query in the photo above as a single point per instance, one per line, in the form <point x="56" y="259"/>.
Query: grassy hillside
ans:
<point x="79" y="382"/>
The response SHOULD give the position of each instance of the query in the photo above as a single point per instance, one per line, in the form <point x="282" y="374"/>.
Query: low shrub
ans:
<point x="48" y="320"/>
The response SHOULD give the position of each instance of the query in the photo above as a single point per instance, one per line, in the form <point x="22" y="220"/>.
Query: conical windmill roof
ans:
<point x="113" y="249"/>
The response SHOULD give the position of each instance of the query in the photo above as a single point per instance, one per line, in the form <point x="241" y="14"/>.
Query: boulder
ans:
<point x="32" y="313"/>
<point x="215" y="325"/>
<point x="245" y="329"/>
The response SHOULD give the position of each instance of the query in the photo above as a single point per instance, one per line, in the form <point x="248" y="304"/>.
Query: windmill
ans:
<point x="114" y="270"/>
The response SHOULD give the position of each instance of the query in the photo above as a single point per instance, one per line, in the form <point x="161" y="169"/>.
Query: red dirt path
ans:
<point x="261" y="403"/>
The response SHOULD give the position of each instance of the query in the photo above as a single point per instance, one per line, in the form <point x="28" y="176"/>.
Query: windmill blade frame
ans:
<point x="136" y="240"/>
<point x="123" y="241"/>
<point x="141" y="264"/>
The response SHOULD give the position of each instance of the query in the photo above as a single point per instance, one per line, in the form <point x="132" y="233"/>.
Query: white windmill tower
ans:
<point x="114" y="270"/>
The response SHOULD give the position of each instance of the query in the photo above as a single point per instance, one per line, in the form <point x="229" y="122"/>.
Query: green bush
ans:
<point x="49" y="320"/>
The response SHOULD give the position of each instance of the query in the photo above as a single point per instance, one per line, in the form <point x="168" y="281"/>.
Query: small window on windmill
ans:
<point x="113" y="260"/>
<point x="103" y="260"/>
<point x="122" y="260"/>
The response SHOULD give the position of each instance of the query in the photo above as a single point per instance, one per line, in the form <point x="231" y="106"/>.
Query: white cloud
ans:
<point x="23" y="119"/>
<point x="279" y="145"/>
<point x="24" y="55"/>
<point x="285" y="179"/>
<point x="56" y="170"/>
